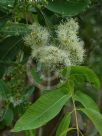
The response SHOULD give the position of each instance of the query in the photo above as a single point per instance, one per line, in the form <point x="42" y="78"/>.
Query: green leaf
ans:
<point x="95" y="117"/>
<point x="9" y="48"/>
<point x="86" y="101"/>
<point x="43" y="110"/>
<point x="30" y="133"/>
<point x="36" y="76"/>
<point x="3" y="90"/>
<point x="8" y="117"/>
<point x="68" y="7"/>
<point x="14" y="29"/>
<point x="5" y="5"/>
<point x="83" y="73"/>
<point x="29" y="91"/>
<point x="63" y="126"/>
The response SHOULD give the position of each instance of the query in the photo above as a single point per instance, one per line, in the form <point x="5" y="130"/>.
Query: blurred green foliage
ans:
<point x="16" y="15"/>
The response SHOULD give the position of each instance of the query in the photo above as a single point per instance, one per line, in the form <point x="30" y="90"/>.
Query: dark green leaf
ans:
<point x="9" y="48"/>
<point x="3" y="90"/>
<point x="5" y="5"/>
<point x="14" y="29"/>
<point x="7" y="117"/>
<point x="67" y="7"/>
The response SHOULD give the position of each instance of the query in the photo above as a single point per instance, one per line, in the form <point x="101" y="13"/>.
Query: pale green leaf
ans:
<point x="95" y="117"/>
<point x="43" y="110"/>
<point x="86" y="101"/>
<point x="82" y="73"/>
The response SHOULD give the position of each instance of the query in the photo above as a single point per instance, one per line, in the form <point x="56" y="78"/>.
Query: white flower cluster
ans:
<point x="67" y="31"/>
<point x="69" y="52"/>
<point x="38" y="37"/>
<point x="67" y="35"/>
<point x="52" y="57"/>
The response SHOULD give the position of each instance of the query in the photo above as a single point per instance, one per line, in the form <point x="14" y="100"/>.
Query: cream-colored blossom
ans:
<point x="52" y="57"/>
<point x="67" y="31"/>
<point x="69" y="52"/>
<point x="72" y="41"/>
<point x="38" y="37"/>
<point x="67" y="34"/>
<point x="77" y="54"/>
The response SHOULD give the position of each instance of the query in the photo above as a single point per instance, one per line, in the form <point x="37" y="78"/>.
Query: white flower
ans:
<point x="67" y="32"/>
<point x="52" y="57"/>
<point x="69" y="52"/>
<point x="38" y="37"/>
<point x="77" y="54"/>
